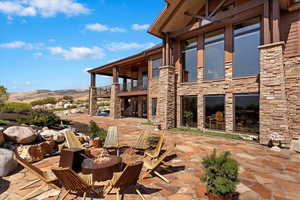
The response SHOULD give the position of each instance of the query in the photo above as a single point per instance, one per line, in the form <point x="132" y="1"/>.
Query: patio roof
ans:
<point x="132" y="62"/>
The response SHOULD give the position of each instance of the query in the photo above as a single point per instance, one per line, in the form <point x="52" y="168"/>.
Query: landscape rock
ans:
<point x="20" y="134"/>
<point x="36" y="152"/>
<point x="295" y="145"/>
<point x="50" y="135"/>
<point x="7" y="162"/>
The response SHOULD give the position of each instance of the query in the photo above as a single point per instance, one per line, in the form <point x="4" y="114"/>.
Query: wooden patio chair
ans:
<point x="151" y="165"/>
<point x="141" y="143"/>
<point x="112" y="139"/>
<point x="122" y="181"/>
<point x="72" y="140"/>
<point x="72" y="182"/>
<point x="47" y="177"/>
<point x="153" y="154"/>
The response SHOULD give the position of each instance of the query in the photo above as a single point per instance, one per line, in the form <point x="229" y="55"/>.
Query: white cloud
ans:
<point x="38" y="54"/>
<point x="119" y="46"/>
<point x="45" y="8"/>
<point x="139" y="27"/>
<point x="77" y="53"/>
<point x="21" y="44"/>
<point x="101" y="28"/>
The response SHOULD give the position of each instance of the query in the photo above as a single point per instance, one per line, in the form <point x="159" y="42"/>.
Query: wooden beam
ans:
<point x="228" y="43"/>
<point x="168" y="50"/>
<point x="206" y="8"/>
<point x="115" y="74"/>
<point x="164" y="53"/>
<point x="217" y="8"/>
<point x="266" y="23"/>
<point x="275" y="21"/>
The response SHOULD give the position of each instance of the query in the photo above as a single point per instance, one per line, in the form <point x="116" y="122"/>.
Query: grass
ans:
<point x="4" y="122"/>
<point x="148" y="123"/>
<point x="207" y="133"/>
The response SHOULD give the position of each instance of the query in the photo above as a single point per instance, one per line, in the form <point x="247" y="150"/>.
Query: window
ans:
<point x="214" y="55"/>
<point x="189" y="64"/>
<point x="246" y="113"/>
<point x="246" y="54"/>
<point x="156" y="64"/>
<point x="214" y="112"/>
<point x="154" y="106"/>
<point x="189" y="111"/>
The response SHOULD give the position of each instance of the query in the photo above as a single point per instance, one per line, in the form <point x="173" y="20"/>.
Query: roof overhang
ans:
<point x="173" y="17"/>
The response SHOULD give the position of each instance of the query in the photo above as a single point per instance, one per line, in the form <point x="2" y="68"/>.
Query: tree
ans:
<point x="3" y="94"/>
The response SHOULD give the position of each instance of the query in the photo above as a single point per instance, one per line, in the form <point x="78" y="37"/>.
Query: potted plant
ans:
<point x="98" y="135"/>
<point x="220" y="176"/>
<point x="188" y="117"/>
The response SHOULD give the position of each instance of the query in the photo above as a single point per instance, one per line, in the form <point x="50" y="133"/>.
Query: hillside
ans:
<point x="40" y="94"/>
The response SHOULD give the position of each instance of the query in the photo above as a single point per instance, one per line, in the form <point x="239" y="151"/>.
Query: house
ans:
<point x="228" y="65"/>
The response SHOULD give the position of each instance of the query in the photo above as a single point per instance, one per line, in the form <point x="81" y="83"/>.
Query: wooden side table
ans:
<point x="71" y="158"/>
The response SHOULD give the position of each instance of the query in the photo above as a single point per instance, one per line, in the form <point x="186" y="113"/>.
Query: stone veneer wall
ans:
<point x="292" y="80"/>
<point x="153" y="92"/>
<point x="166" y="102"/>
<point x="93" y="108"/>
<point x="273" y="99"/>
<point x="115" y="101"/>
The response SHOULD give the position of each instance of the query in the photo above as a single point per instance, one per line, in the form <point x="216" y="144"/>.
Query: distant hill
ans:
<point x="41" y="94"/>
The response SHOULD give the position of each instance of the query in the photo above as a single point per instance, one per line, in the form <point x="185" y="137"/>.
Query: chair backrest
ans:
<point x="159" y="145"/>
<point x="156" y="163"/>
<point x="219" y="116"/>
<point x="130" y="175"/>
<point x="30" y="167"/>
<point x="112" y="138"/>
<point x="70" y="180"/>
<point x="141" y="142"/>
<point x="72" y="140"/>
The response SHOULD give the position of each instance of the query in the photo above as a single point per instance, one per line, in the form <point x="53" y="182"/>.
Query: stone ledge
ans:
<point x="167" y="67"/>
<point x="271" y="45"/>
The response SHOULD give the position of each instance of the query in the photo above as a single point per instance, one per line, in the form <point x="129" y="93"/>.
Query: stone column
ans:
<point x="93" y="96"/>
<point x="273" y="99"/>
<point x="166" y="101"/>
<point x="115" y="102"/>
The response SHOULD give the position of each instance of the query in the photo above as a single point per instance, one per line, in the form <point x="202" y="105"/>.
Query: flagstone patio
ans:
<point x="264" y="174"/>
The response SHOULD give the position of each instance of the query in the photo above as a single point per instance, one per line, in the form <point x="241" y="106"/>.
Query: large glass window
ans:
<point x="189" y="64"/>
<point x="154" y="106"/>
<point x="246" y="113"/>
<point x="246" y="54"/>
<point x="215" y="112"/>
<point x="189" y="111"/>
<point x="214" y="55"/>
<point x="156" y="64"/>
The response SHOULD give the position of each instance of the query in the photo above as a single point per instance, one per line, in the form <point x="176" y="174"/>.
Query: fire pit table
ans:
<point x="102" y="168"/>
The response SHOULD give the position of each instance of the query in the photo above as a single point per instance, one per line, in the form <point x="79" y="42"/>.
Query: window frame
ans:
<point x="182" y="110"/>
<point x="204" y="51"/>
<point x="261" y="36"/>
<point x="182" y="58"/>
<point x="156" y="69"/>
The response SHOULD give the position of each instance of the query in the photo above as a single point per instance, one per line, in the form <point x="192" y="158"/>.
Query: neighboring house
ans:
<point x="234" y="64"/>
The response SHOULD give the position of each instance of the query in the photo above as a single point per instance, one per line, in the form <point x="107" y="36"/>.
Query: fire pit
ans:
<point x="102" y="168"/>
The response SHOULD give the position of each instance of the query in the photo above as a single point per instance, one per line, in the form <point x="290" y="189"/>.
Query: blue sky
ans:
<point x="48" y="44"/>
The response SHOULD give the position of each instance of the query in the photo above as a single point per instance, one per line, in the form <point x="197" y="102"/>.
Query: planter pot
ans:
<point x="214" y="197"/>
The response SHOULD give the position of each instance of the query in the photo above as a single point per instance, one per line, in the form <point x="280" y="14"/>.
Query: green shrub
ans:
<point x="40" y="118"/>
<point x="48" y="100"/>
<point x="188" y="117"/>
<point x="102" y="104"/>
<point x="96" y="131"/>
<point x="3" y="94"/>
<point x="220" y="173"/>
<point x="15" y="107"/>
<point x="4" y="122"/>
<point x="68" y="98"/>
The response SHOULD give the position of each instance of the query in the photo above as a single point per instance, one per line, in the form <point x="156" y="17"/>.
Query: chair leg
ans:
<point x="161" y="176"/>
<point x="84" y="196"/>
<point x="29" y="196"/>
<point x="118" y="194"/>
<point x="65" y="195"/>
<point x="29" y="184"/>
<point x="108" y="191"/>
<point x="140" y="194"/>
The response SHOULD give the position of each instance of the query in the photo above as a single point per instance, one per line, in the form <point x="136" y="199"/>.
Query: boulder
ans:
<point x="20" y="134"/>
<point x="36" y="152"/>
<point x="50" y="135"/>
<point x="7" y="162"/>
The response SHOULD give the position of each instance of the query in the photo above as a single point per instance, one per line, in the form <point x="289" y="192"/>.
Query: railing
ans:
<point x="103" y="91"/>
<point x="135" y="86"/>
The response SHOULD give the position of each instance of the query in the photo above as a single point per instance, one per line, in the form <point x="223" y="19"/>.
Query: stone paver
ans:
<point x="264" y="174"/>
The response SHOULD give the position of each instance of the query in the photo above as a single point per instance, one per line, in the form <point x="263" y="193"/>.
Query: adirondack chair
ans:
<point x="141" y="143"/>
<point x="152" y="165"/>
<point x="112" y="139"/>
<point x="47" y="177"/>
<point x="155" y="153"/>
<point x="72" y="140"/>
<point x="125" y="179"/>
<point x="72" y="182"/>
